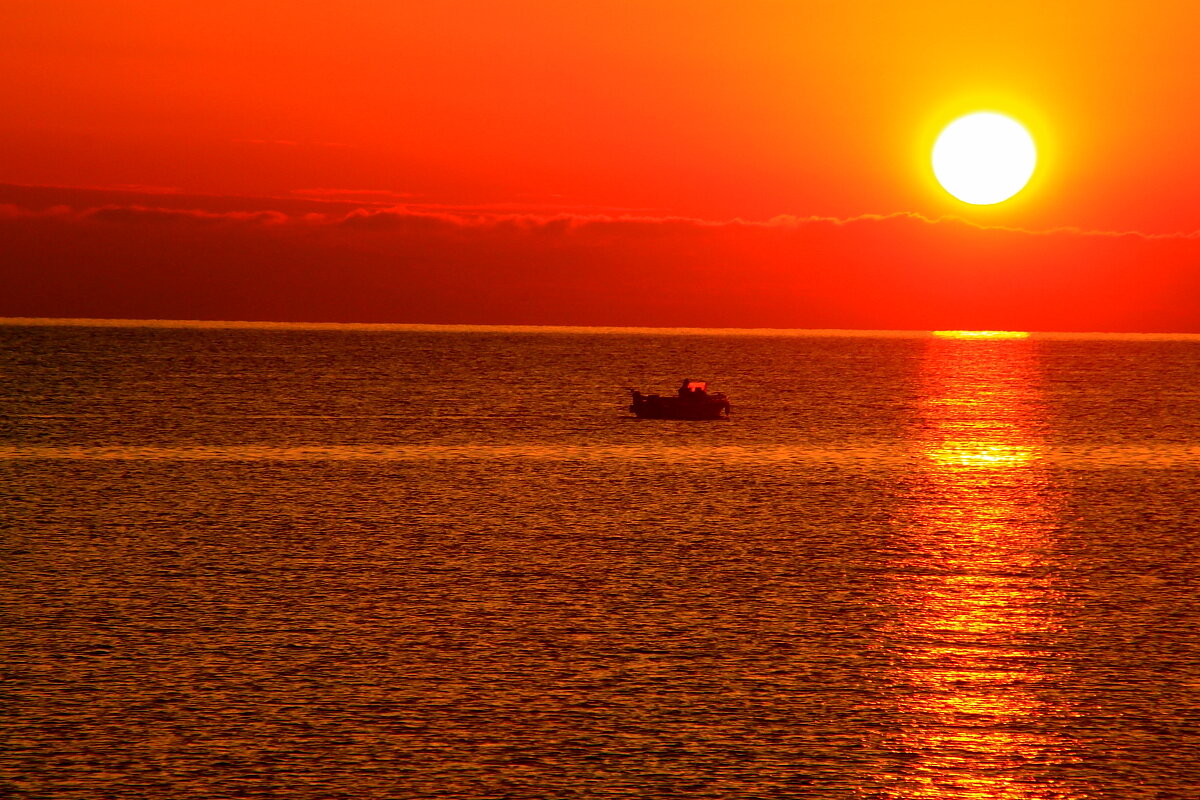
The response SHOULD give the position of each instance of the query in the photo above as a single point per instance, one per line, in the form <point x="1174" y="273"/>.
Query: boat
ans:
<point x="692" y="401"/>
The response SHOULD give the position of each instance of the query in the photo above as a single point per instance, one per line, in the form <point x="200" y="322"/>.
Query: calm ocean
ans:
<point x="280" y="563"/>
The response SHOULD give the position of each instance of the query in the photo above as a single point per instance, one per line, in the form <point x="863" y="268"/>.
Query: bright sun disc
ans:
<point x="984" y="158"/>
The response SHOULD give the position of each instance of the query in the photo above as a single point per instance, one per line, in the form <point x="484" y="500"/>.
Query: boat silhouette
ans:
<point x="691" y="401"/>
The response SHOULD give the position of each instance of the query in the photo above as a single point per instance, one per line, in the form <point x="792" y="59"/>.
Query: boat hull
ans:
<point x="655" y="407"/>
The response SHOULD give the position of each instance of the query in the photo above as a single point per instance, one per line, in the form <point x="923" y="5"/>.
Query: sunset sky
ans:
<point x="760" y="164"/>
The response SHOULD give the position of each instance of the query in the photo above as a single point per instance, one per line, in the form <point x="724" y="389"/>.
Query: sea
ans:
<point x="243" y="561"/>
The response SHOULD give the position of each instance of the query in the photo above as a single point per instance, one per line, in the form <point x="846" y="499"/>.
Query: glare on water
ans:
<point x="974" y="603"/>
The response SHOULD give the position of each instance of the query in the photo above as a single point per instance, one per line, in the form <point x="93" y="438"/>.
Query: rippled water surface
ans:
<point x="429" y="564"/>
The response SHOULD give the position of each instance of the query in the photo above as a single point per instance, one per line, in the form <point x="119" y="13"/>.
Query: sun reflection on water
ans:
<point x="967" y="454"/>
<point x="981" y="334"/>
<point x="976" y="607"/>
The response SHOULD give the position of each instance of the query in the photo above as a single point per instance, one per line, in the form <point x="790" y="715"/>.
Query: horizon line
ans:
<point x="421" y="327"/>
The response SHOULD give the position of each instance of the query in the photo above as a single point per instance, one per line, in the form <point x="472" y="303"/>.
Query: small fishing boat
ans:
<point x="692" y="401"/>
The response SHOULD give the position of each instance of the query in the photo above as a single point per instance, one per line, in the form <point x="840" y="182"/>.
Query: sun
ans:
<point x="984" y="158"/>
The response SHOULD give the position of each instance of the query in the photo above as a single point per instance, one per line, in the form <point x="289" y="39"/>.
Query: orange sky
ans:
<point x="701" y="110"/>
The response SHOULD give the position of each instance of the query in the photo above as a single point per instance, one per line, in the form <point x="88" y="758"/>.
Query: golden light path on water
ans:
<point x="981" y="334"/>
<point x="976" y="606"/>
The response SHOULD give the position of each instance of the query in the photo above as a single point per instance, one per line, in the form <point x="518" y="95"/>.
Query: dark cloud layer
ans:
<point x="315" y="262"/>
